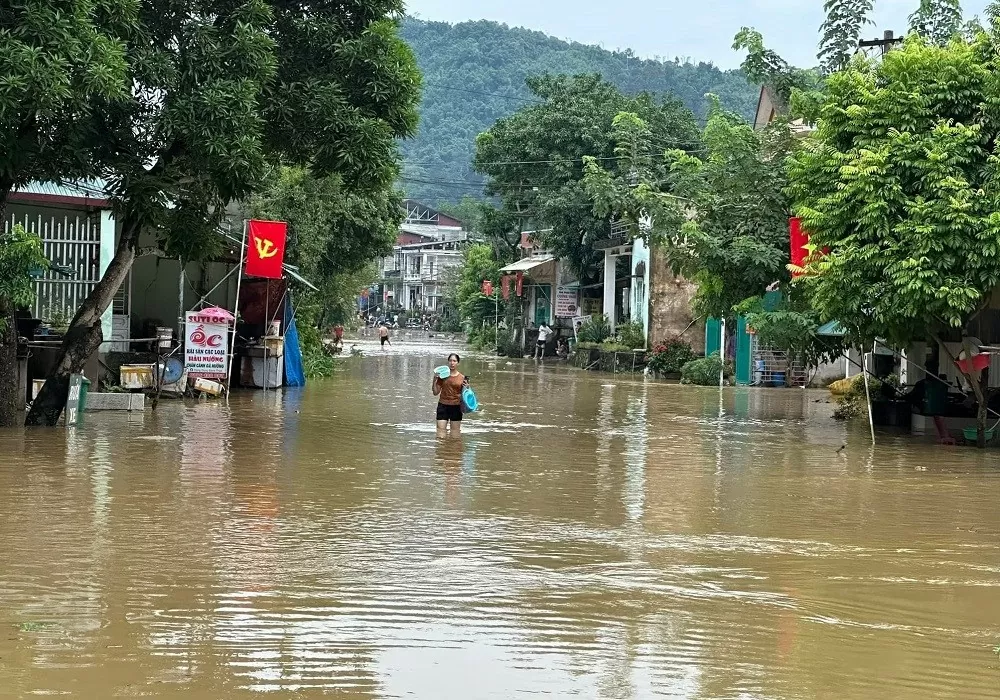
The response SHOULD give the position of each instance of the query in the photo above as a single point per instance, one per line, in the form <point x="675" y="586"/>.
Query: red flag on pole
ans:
<point x="487" y="288"/>
<point x="798" y="240"/>
<point x="505" y="287"/>
<point x="519" y="286"/>
<point x="266" y="248"/>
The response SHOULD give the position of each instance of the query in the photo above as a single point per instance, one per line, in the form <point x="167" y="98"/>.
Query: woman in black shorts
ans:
<point x="449" y="393"/>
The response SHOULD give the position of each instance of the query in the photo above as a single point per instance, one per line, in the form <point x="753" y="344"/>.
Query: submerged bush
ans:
<point x="631" y="336"/>
<point x="703" y="371"/>
<point x="670" y="356"/>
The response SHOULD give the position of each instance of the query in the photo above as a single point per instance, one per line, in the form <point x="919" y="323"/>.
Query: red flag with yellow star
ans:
<point x="266" y="248"/>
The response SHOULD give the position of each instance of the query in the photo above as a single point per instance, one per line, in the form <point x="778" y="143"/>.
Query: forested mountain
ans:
<point x="474" y="73"/>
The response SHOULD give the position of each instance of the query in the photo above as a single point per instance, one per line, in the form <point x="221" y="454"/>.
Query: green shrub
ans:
<point x="508" y="345"/>
<point x="614" y="346"/>
<point x="484" y="338"/>
<point x="596" y="329"/>
<point x="702" y="372"/>
<point x="631" y="335"/>
<point x="317" y="363"/>
<point x="670" y="356"/>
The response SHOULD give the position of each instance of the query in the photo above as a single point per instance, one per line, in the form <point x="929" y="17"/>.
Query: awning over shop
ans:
<point x="528" y="263"/>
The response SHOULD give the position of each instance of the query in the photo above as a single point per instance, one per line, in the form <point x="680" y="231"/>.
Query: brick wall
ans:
<point x="670" y="305"/>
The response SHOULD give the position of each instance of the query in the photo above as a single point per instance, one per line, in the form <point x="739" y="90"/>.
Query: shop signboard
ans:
<point x="567" y="302"/>
<point x="206" y="345"/>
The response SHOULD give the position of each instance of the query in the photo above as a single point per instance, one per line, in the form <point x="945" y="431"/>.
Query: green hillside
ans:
<point x="474" y="74"/>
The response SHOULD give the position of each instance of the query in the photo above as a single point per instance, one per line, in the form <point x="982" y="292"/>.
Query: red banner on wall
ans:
<point x="266" y="248"/>
<point x="505" y="287"/>
<point x="519" y="285"/>
<point x="487" y="288"/>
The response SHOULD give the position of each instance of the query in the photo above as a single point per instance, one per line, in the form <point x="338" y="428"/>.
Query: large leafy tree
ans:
<point x="219" y="90"/>
<point x="60" y="62"/>
<point x="736" y="236"/>
<point x="534" y="159"/>
<point x="902" y="184"/>
<point x="478" y="264"/>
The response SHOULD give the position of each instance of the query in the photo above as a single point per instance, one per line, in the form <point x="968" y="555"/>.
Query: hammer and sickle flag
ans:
<point x="266" y="248"/>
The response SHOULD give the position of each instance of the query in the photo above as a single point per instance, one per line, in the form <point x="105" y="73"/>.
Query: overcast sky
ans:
<point x="701" y="30"/>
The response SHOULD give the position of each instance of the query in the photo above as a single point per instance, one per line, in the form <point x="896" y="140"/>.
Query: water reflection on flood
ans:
<point x="587" y="536"/>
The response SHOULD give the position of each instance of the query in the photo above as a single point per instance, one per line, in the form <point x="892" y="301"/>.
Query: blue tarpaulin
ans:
<point x="294" y="373"/>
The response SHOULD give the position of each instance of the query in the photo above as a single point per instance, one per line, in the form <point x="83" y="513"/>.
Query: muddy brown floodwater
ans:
<point x="590" y="536"/>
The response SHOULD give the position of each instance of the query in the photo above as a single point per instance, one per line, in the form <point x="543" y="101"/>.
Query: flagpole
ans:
<point x="236" y="309"/>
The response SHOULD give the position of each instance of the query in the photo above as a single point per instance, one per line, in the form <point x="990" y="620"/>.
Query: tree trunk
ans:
<point x="981" y="424"/>
<point x="84" y="336"/>
<point x="974" y="380"/>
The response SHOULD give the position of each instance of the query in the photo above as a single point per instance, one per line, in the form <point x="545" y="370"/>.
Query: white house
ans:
<point x="429" y="243"/>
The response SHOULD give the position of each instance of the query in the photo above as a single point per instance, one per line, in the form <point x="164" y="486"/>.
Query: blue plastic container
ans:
<point x="469" y="400"/>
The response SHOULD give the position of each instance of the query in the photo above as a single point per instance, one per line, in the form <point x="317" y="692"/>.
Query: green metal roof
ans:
<point x="89" y="189"/>
<point x="833" y="329"/>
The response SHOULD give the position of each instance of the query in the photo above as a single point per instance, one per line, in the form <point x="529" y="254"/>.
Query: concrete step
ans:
<point x="115" y="402"/>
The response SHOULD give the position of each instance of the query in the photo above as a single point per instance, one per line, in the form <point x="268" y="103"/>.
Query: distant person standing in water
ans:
<point x="449" y="393"/>
<point x="383" y="335"/>
<point x="543" y="337"/>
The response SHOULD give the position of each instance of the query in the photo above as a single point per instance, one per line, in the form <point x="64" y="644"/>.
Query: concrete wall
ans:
<point x="156" y="293"/>
<point x="670" y="305"/>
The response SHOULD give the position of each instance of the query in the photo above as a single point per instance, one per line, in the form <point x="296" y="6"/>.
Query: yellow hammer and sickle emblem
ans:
<point x="265" y="248"/>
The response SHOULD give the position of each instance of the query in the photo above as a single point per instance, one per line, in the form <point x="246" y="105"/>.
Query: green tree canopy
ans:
<point x="736" y="234"/>
<point x="478" y="264"/>
<point x="534" y="158"/>
<point x="61" y="62"/>
<point x="902" y="184"/>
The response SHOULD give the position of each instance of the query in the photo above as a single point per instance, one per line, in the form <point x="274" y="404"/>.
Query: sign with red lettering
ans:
<point x="206" y="344"/>
<point x="266" y="248"/>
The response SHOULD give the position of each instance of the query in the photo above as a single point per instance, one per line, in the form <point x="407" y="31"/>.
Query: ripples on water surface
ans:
<point x="588" y="537"/>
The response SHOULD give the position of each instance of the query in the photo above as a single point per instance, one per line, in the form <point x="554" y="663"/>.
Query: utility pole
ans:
<point x="888" y="40"/>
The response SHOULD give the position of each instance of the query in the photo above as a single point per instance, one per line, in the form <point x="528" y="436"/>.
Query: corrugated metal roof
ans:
<point x="526" y="264"/>
<point x="89" y="189"/>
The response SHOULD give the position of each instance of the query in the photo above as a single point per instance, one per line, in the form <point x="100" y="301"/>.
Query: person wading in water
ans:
<point x="449" y="393"/>
<point x="383" y="336"/>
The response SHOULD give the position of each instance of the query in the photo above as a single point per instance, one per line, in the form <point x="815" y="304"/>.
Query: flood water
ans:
<point x="589" y="536"/>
